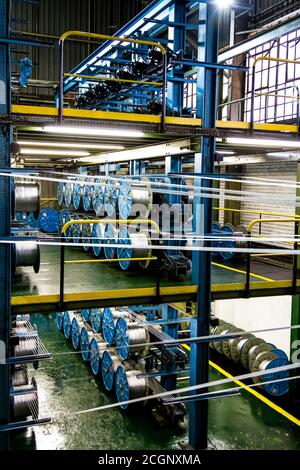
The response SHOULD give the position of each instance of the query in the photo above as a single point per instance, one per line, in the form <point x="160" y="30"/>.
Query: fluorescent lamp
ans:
<point x="63" y="153"/>
<point x="225" y="152"/>
<point x="70" y="145"/>
<point x="264" y="142"/>
<point x="223" y="3"/>
<point x="79" y="131"/>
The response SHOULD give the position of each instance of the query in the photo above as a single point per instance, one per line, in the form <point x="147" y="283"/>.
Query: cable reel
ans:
<point x="76" y="329"/>
<point x="109" y="366"/>
<point x="97" y="346"/>
<point x="67" y="324"/>
<point x="26" y="254"/>
<point x="111" y="197"/>
<point x="110" y="238"/>
<point x="85" y="313"/>
<point x="223" y="328"/>
<point x="86" y="236"/>
<point x="49" y="220"/>
<point x="25" y="404"/>
<point x="20" y="375"/>
<point x="97" y="238"/>
<point x="87" y="196"/>
<point x="233" y="346"/>
<point x="109" y="322"/>
<point x="131" y="338"/>
<point x="134" y="199"/>
<point x="134" y="247"/>
<point x="68" y="194"/>
<point x="77" y="194"/>
<point x="59" y="320"/>
<point x="129" y="386"/>
<point x="268" y="360"/>
<point x="245" y="348"/>
<point x="96" y="317"/>
<point x="257" y="349"/>
<point x="60" y="193"/>
<point x="85" y="338"/>
<point x="26" y="198"/>
<point x="98" y="198"/>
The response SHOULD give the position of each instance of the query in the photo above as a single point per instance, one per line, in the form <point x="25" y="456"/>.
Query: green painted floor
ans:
<point x="92" y="277"/>
<point x="67" y="385"/>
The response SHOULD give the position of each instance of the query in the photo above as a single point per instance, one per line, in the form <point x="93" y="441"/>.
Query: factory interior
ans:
<point x="150" y="225"/>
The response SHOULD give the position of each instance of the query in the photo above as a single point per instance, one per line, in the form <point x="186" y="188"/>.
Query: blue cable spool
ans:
<point x="110" y="198"/>
<point x="86" y="314"/>
<point x="108" y="326"/>
<point x="85" y="344"/>
<point x="21" y="216"/>
<point x="125" y="199"/>
<point x="126" y="250"/>
<point x="67" y="325"/>
<point x="87" y="196"/>
<point x="122" y="387"/>
<point x="280" y="353"/>
<point x="68" y="194"/>
<point x="77" y="195"/>
<point x="64" y="217"/>
<point x="49" y="220"/>
<point x="97" y="239"/>
<point x="60" y="193"/>
<point x="76" y="231"/>
<point x="76" y="332"/>
<point x="59" y="320"/>
<point x="96" y="319"/>
<point x="98" y="197"/>
<point x="109" y="365"/>
<point x="86" y="236"/>
<point x="95" y="355"/>
<point x="278" y="388"/>
<point x="32" y="221"/>
<point x="122" y="339"/>
<point x="110" y="238"/>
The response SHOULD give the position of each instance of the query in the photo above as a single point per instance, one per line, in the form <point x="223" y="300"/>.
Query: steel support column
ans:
<point x="177" y="37"/>
<point x="5" y="216"/>
<point x="198" y="411"/>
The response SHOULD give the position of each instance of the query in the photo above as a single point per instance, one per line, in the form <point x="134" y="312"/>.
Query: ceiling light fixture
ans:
<point x="264" y="142"/>
<point x="79" y="131"/>
<point x="80" y="145"/>
<point x="63" y="153"/>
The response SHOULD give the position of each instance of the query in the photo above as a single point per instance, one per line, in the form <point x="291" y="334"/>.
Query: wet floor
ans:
<point x="66" y="385"/>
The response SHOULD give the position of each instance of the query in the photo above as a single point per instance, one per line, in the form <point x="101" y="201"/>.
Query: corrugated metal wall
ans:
<point x="57" y="16"/>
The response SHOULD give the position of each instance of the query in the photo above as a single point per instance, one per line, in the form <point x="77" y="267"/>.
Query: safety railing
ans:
<point x="70" y="34"/>
<point x="261" y="59"/>
<point x="254" y="222"/>
<point x="272" y="93"/>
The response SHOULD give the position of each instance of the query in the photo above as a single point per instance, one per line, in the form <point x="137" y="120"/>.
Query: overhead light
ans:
<point x="63" y="153"/>
<point x="81" y="145"/>
<point x="225" y="152"/>
<point x="224" y="3"/>
<point x="79" y="131"/>
<point x="264" y="142"/>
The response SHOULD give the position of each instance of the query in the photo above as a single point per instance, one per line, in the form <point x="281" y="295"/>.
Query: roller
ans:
<point x="76" y="330"/>
<point x="109" y="366"/>
<point x="67" y="324"/>
<point x="225" y="344"/>
<point x="26" y="197"/>
<point x="136" y="245"/>
<point x="96" y="316"/>
<point x="111" y="197"/>
<point x="60" y="193"/>
<point x="98" y="198"/>
<point x="129" y="386"/>
<point x="97" y="238"/>
<point x="134" y="199"/>
<point x="26" y="254"/>
<point x="131" y="338"/>
<point x="109" y="322"/>
<point x="223" y="327"/>
<point x="97" y="346"/>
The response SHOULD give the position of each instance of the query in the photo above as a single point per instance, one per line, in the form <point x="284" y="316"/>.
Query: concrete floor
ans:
<point x="67" y="385"/>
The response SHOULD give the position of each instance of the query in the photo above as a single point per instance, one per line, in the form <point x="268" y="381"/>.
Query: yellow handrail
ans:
<point x="260" y="221"/>
<point x="109" y="79"/>
<point x="109" y="221"/>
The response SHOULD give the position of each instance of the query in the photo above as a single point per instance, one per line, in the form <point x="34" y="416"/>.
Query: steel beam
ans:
<point x="198" y="410"/>
<point x="5" y="216"/>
